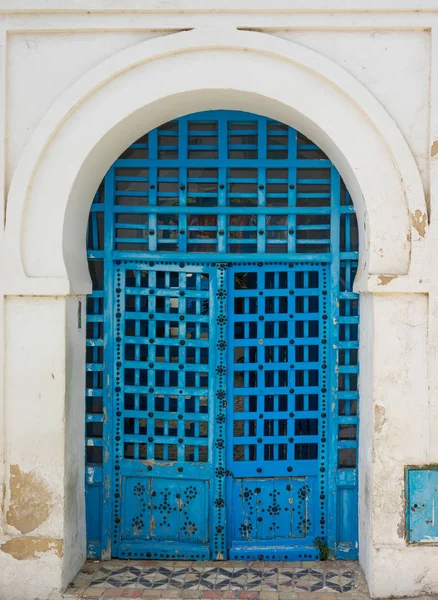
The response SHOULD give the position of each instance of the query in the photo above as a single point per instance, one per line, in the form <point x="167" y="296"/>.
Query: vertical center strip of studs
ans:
<point x="323" y="410"/>
<point x="118" y="396"/>
<point x="219" y="549"/>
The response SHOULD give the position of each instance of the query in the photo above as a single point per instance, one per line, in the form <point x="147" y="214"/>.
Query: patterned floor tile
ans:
<point x="253" y="581"/>
<point x="238" y="583"/>
<point x="191" y="583"/>
<point x="208" y="579"/>
<point x="269" y="583"/>
<point x="144" y="582"/>
<point x="213" y="580"/>
<point x="270" y="572"/>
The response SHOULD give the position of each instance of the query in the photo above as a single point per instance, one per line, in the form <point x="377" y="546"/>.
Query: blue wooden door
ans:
<point x="163" y="401"/>
<point x="277" y="392"/>
<point x="222" y="400"/>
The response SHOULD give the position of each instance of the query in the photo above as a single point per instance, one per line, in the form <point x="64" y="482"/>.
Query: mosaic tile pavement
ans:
<point x="232" y="579"/>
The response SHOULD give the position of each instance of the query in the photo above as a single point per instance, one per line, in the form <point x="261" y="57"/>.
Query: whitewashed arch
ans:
<point x="164" y="78"/>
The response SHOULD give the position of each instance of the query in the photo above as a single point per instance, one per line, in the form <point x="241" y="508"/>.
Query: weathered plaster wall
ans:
<point x="366" y="433"/>
<point x="401" y="437"/>
<point x="42" y="57"/>
<point x="74" y="523"/>
<point x="35" y="437"/>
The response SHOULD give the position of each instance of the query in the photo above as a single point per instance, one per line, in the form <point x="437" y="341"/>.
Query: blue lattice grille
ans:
<point x="222" y="350"/>
<point x="165" y="345"/>
<point x="347" y="355"/>
<point x="279" y="335"/>
<point x="187" y="187"/>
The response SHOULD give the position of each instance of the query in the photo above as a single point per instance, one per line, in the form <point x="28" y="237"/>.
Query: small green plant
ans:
<point x="324" y="550"/>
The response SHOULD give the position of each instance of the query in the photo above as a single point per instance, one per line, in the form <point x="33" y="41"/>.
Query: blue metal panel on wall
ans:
<point x="422" y="505"/>
<point x="222" y="348"/>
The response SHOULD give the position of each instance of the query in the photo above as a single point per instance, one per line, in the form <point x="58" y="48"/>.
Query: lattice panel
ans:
<point x="347" y="389"/>
<point x="94" y="378"/>
<point x="278" y="380"/>
<point x="165" y="364"/>
<point x="94" y="351"/>
<point x="187" y="186"/>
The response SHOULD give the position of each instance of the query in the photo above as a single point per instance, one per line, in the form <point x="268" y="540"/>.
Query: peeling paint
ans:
<point x="29" y="548"/>
<point x="106" y="552"/>
<point x="379" y="418"/>
<point x="419" y="221"/>
<point x="152" y="524"/>
<point x="107" y="486"/>
<point x="4" y="496"/>
<point x="401" y="527"/>
<point x="161" y="463"/>
<point x="434" y="149"/>
<point x="31" y="500"/>
<point x="385" y="279"/>
<point x="90" y="475"/>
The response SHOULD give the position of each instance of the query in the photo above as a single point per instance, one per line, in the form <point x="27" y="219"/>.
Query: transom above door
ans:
<point x="222" y="347"/>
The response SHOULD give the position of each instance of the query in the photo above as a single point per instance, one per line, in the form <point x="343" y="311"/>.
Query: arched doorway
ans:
<point x="222" y="347"/>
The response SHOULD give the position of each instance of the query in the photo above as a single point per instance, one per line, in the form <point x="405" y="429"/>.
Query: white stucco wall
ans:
<point x="75" y="88"/>
<point x="389" y="64"/>
<point x="31" y="65"/>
